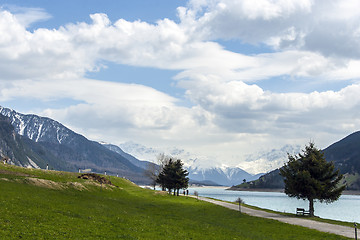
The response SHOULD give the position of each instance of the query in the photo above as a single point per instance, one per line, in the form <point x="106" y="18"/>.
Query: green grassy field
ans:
<point x="37" y="204"/>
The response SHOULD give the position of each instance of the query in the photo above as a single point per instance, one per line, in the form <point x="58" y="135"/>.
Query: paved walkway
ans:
<point x="320" y="226"/>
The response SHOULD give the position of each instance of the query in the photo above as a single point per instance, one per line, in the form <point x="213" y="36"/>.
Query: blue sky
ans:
<point x="221" y="79"/>
<point x="78" y="11"/>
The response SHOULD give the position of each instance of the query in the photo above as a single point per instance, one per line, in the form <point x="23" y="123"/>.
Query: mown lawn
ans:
<point x="124" y="212"/>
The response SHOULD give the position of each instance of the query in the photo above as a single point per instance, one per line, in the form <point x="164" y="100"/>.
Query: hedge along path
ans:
<point x="320" y="226"/>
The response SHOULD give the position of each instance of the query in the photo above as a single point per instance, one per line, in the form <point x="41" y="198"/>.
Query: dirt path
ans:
<point x="320" y="226"/>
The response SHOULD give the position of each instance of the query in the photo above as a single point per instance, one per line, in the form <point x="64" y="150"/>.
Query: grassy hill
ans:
<point x="39" y="204"/>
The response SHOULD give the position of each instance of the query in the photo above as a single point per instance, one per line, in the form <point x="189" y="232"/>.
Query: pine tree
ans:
<point x="173" y="176"/>
<point x="309" y="176"/>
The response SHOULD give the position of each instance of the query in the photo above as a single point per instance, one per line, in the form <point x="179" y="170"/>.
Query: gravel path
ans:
<point x="320" y="226"/>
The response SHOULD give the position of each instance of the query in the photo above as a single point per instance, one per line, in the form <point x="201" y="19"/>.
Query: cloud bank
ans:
<point x="308" y="42"/>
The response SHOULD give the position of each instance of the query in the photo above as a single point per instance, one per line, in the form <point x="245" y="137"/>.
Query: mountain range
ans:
<point x="33" y="141"/>
<point x="41" y="141"/>
<point x="345" y="154"/>
<point x="227" y="176"/>
<point x="267" y="160"/>
<point x="200" y="169"/>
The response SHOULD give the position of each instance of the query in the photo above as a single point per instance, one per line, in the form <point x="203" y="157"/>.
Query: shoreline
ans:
<point x="324" y="226"/>
<point x="257" y="189"/>
<point x="280" y="190"/>
<point x="346" y="192"/>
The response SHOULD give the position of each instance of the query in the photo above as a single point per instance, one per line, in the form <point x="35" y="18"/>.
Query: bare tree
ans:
<point x="162" y="161"/>
<point x="152" y="172"/>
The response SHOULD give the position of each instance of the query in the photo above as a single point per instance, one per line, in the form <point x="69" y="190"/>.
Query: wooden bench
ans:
<point x="302" y="212"/>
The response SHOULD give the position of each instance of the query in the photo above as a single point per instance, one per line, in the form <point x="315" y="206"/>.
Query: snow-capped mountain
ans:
<point x="68" y="150"/>
<point x="224" y="176"/>
<point x="140" y="151"/>
<point x="203" y="168"/>
<point x="39" y="128"/>
<point x="14" y="148"/>
<point x="266" y="161"/>
<point x="200" y="168"/>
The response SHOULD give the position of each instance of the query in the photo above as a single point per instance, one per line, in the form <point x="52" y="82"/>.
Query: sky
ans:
<point x="221" y="79"/>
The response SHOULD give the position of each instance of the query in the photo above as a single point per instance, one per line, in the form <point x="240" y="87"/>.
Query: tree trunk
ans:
<point x="311" y="207"/>
<point x="177" y="192"/>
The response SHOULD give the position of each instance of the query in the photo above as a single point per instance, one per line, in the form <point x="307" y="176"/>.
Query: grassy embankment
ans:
<point x="315" y="218"/>
<point x="37" y="204"/>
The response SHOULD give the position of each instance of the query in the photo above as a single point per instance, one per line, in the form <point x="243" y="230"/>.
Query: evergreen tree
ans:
<point x="173" y="176"/>
<point x="180" y="178"/>
<point x="309" y="176"/>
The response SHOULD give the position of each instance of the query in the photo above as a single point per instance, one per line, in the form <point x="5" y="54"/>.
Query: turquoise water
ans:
<point x="347" y="208"/>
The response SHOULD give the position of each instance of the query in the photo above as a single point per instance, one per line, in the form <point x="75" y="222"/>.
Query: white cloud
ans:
<point x="142" y="106"/>
<point x="75" y="49"/>
<point x="239" y="107"/>
<point x="329" y="27"/>
<point x="113" y="111"/>
<point x="27" y="16"/>
<point x="249" y="20"/>
<point x="311" y="40"/>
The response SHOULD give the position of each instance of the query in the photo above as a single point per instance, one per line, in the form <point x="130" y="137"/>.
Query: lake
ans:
<point x="347" y="208"/>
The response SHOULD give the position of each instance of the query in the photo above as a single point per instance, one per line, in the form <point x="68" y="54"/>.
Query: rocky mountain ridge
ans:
<point x="21" y="151"/>
<point x="69" y="150"/>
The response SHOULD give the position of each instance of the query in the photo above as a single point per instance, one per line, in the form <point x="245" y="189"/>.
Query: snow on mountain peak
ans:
<point x="37" y="128"/>
<point x="266" y="161"/>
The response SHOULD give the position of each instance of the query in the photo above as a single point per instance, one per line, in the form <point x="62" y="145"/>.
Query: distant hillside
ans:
<point x="202" y="183"/>
<point x="64" y="149"/>
<point x="345" y="153"/>
<point x="132" y="159"/>
<point x="271" y="180"/>
<point x="346" y="157"/>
